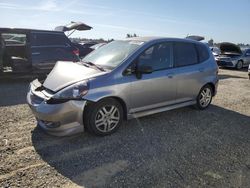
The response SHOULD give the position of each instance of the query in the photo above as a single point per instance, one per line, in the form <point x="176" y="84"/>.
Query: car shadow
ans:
<point x="178" y="144"/>
<point x="244" y="69"/>
<point x="226" y="76"/>
<point x="13" y="92"/>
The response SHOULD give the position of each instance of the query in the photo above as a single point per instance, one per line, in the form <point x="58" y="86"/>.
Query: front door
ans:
<point x="158" y="88"/>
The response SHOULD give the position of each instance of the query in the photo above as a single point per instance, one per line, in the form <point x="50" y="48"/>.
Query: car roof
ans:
<point x="148" y="39"/>
<point x="26" y="30"/>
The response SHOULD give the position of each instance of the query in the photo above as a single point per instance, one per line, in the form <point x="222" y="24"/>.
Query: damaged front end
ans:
<point x="59" y="119"/>
<point x="230" y="55"/>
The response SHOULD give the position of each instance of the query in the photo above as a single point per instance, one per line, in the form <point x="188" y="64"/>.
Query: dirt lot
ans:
<point x="179" y="148"/>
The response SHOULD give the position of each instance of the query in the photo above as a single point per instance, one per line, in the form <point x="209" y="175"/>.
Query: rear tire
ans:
<point x="104" y="117"/>
<point x="204" y="97"/>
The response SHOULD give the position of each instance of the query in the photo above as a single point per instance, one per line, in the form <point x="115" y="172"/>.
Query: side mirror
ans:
<point x="143" y="69"/>
<point x="130" y="70"/>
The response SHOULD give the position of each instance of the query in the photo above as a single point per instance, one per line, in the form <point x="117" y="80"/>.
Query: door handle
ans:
<point x="36" y="53"/>
<point x="201" y="70"/>
<point x="170" y="75"/>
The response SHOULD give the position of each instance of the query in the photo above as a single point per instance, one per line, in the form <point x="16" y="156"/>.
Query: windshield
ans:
<point x="112" y="54"/>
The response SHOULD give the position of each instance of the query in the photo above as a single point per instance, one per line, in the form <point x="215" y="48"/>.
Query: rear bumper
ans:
<point x="56" y="119"/>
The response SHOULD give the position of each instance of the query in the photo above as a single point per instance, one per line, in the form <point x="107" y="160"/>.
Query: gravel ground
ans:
<point x="178" y="148"/>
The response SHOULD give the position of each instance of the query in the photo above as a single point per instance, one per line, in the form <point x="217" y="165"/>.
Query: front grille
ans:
<point x="224" y="63"/>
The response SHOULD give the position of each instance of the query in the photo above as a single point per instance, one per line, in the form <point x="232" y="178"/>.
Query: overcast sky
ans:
<point x="222" y="20"/>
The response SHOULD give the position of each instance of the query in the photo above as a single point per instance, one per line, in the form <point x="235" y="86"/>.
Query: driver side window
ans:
<point x="157" y="56"/>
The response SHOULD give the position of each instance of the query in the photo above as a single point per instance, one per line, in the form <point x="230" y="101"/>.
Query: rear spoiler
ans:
<point x="195" y="37"/>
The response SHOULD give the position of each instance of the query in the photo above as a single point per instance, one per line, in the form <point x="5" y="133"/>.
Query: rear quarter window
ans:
<point x="14" y="38"/>
<point x="202" y="52"/>
<point x="44" y="39"/>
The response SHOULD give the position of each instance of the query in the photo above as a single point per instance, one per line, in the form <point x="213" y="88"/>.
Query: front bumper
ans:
<point x="57" y="119"/>
<point x="222" y="63"/>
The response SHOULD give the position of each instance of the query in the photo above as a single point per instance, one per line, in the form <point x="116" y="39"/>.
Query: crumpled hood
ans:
<point x="66" y="73"/>
<point x="227" y="47"/>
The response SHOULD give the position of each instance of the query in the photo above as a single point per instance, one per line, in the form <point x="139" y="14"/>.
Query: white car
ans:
<point x="232" y="56"/>
<point x="215" y="50"/>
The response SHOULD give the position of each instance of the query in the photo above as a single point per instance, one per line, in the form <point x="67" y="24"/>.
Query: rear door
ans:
<point x="187" y="71"/>
<point x="49" y="47"/>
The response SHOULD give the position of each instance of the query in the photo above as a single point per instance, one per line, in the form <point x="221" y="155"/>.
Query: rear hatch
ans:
<point x="79" y="26"/>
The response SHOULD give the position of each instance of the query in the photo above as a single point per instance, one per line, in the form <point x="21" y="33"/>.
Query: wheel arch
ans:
<point x="240" y="60"/>
<point x="120" y="100"/>
<point x="212" y="85"/>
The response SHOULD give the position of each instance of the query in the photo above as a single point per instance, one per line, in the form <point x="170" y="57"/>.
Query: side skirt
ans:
<point x="161" y="109"/>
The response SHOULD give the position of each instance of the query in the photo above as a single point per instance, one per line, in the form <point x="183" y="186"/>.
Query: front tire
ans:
<point x="204" y="97"/>
<point x="104" y="117"/>
<point x="239" y="65"/>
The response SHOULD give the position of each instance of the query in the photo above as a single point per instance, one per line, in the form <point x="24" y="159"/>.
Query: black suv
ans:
<point x="30" y="50"/>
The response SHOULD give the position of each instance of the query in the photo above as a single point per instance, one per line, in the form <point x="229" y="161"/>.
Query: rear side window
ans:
<point x="202" y="52"/>
<point x="46" y="39"/>
<point x="184" y="54"/>
<point x="12" y="39"/>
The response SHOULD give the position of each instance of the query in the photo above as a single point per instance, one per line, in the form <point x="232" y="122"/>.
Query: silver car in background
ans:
<point x="215" y="50"/>
<point x="122" y="80"/>
<point x="232" y="56"/>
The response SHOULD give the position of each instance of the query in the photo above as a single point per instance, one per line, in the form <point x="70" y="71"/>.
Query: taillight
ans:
<point x="76" y="52"/>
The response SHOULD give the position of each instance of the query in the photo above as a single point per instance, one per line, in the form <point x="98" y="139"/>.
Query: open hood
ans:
<point x="195" y="37"/>
<point x="66" y="73"/>
<point x="227" y="47"/>
<point x="74" y="26"/>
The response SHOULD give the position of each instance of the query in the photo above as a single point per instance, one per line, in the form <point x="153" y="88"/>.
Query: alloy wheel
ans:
<point x="205" y="97"/>
<point x="107" y="118"/>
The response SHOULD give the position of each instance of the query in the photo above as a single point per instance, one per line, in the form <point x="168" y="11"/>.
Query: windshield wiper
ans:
<point x="95" y="65"/>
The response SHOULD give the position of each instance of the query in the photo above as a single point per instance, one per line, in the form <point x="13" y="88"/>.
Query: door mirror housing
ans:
<point x="143" y="69"/>
<point x="130" y="70"/>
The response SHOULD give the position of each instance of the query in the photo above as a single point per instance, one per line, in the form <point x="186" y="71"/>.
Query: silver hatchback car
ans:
<point x="122" y="80"/>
